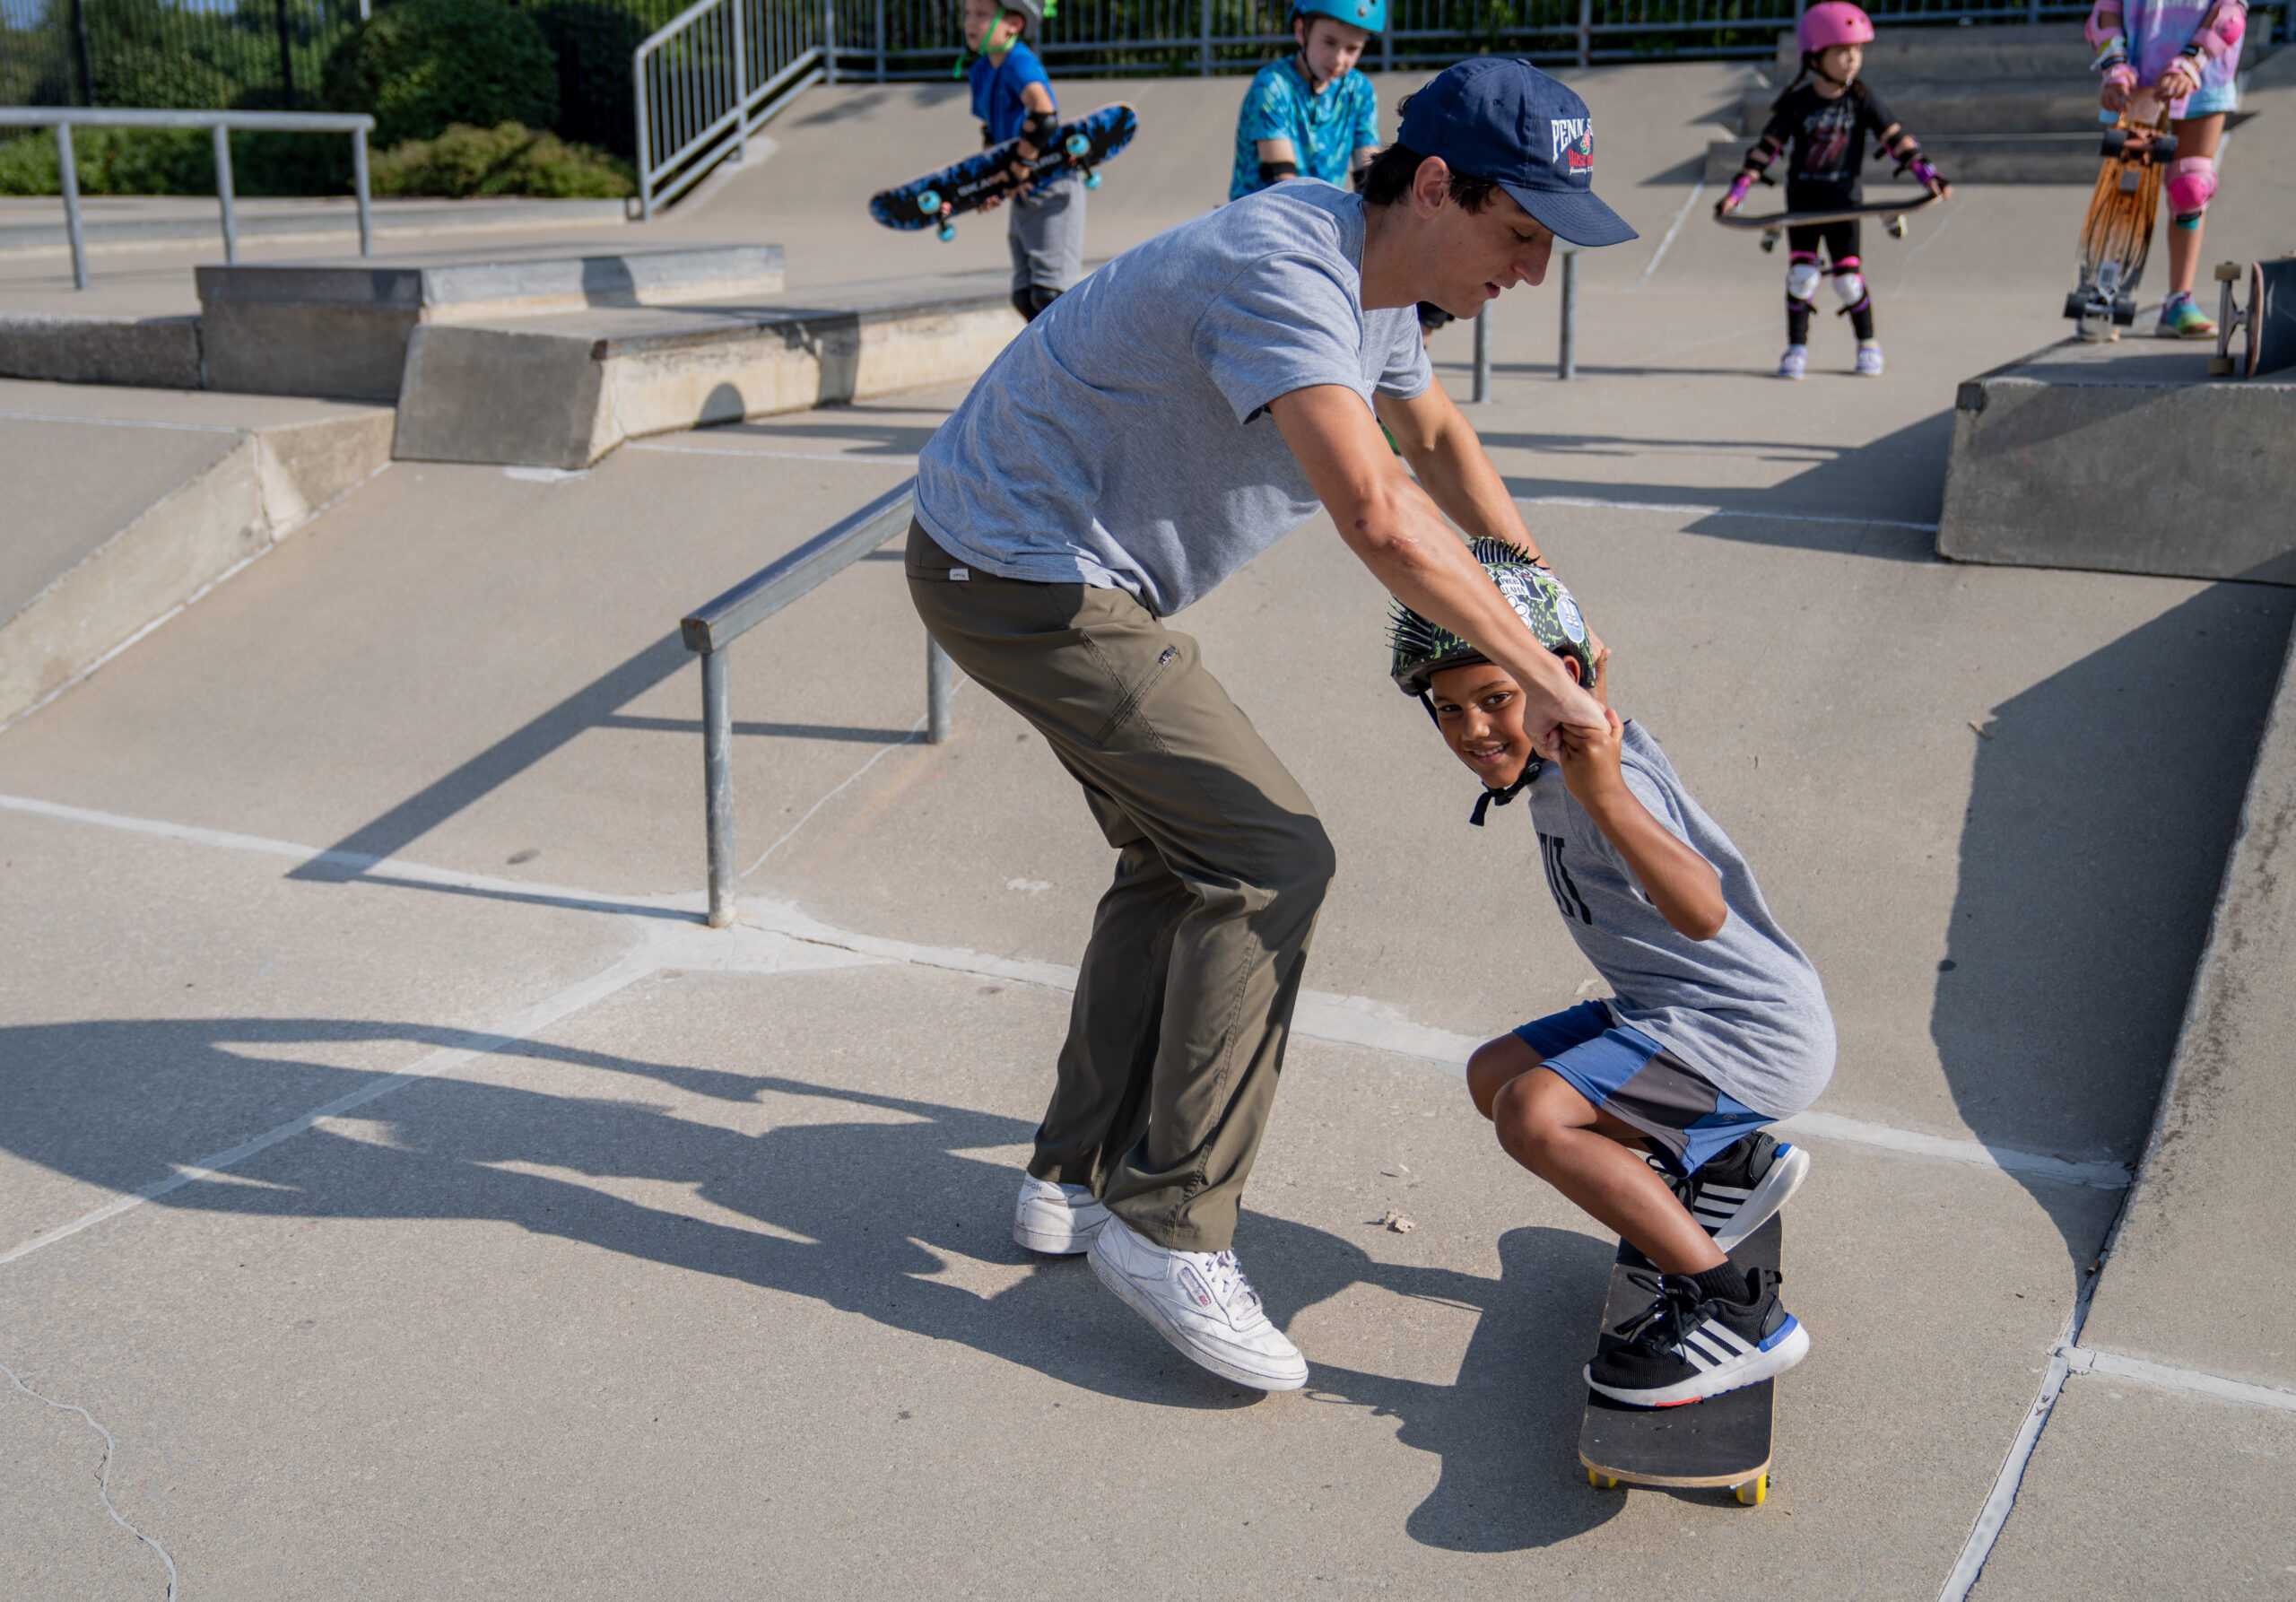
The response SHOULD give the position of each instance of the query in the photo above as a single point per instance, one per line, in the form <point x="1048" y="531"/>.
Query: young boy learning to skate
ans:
<point x="1013" y="98"/>
<point x="1312" y="115"/>
<point x="1824" y="116"/>
<point x="1647" y="1110"/>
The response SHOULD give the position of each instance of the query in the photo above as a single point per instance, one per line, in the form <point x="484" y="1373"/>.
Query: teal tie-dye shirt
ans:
<point x="1326" y="129"/>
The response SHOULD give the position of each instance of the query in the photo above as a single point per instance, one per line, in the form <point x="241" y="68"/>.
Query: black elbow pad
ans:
<point x="1271" y="171"/>
<point x="1039" y="127"/>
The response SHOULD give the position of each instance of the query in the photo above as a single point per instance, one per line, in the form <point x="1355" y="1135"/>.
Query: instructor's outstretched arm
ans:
<point x="1389" y="522"/>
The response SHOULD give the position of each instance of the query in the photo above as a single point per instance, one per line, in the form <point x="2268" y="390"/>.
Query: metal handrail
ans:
<point x="64" y="118"/>
<point x="708" y="81"/>
<point x="709" y="629"/>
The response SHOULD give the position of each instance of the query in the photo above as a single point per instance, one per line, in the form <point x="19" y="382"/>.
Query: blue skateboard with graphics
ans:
<point x="938" y="200"/>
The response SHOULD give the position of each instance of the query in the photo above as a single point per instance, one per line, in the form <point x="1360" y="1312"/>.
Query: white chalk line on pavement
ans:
<point x="1672" y="229"/>
<point x="1717" y="511"/>
<point x="103" y="1480"/>
<point x="778" y="456"/>
<point x="1321" y="1015"/>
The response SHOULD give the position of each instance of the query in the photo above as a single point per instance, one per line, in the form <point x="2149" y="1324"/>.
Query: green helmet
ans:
<point x="1423" y="648"/>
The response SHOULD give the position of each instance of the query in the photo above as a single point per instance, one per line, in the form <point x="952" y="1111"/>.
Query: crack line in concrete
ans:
<point x="2089" y="1360"/>
<point x="915" y="729"/>
<point x="103" y="1480"/>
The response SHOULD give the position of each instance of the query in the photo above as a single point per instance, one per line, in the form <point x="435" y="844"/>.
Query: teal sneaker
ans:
<point x="2181" y="319"/>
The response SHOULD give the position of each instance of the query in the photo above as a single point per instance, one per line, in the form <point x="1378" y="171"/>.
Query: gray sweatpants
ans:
<point x="1184" y="999"/>
<point x="1047" y="235"/>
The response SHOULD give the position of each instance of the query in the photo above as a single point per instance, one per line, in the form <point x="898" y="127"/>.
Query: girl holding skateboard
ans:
<point x="2190" y="54"/>
<point x="1823" y="119"/>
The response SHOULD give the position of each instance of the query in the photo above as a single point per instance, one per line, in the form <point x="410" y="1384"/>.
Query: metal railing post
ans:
<point x="1203" y="41"/>
<point x="68" y="174"/>
<point x="1566" y="362"/>
<point x="223" y="192"/>
<point x="645" y="141"/>
<point x="741" y="82"/>
<point x="940" y="684"/>
<point x="1586" y="33"/>
<point x="1483" y="352"/>
<point x="881" y="40"/>
<point x="358" y="185"/>
<point x="717" y="784"/>
<point x="828" y="40"/>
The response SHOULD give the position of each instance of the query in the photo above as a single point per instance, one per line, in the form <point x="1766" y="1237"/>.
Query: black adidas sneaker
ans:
<point x="1743" y="1186"/>
<point x="1688" y="1345"/>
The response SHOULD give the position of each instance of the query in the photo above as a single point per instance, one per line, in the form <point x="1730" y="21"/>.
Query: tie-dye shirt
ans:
<point x="1326" y="129"/>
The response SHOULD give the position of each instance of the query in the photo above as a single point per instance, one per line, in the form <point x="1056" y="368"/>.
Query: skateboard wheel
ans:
<point x="1077" y="144"/>
<point x="2114" y="143"/>
<point x="2076" y="304"/>
<point x="1601" y="1482"/>
<point x="929" y="202"/>
<point x="1753" y="1493"/>
<point x="1896" y="227"/>
<point x="2123" y="311"/>
<point x="2164" y="147"/>
<point x="948" y="231"/>
<point x="2230" y="272"/>
<point x="2220" y="366"/>
<point x="1769" y="242"/>
<point x="1091" y="180"/>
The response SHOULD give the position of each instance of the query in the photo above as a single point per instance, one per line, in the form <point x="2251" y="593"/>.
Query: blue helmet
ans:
<point x="1371" y="15"/>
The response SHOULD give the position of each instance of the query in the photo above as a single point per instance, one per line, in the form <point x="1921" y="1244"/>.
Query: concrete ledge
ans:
<point x="265" y="486"/>
<point x="563" y="391"/>
<point x="153" y="353"/>
<point x="341" y="327"/>
<point x="2196" y="1278"/>
<point x="2068" y="459"/>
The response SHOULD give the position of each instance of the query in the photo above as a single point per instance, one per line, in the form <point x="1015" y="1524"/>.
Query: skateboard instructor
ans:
<point x="1166" y="420"/>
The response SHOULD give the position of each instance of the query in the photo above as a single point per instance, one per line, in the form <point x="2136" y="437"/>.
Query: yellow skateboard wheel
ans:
<point x="1601" y="1482"/>
<point x="1753" y="1493"/>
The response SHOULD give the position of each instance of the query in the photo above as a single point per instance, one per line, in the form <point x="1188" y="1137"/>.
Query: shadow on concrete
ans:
<point x="1880" y="500"/>
<point x="2101" y="810"/>
<point x="842" y="425"/>
<point x="81" y="1098"/>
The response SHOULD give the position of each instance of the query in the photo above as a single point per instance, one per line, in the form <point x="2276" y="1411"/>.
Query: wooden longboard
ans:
<point x="2117" y="236"/>
<point x="1721" y="1443"/>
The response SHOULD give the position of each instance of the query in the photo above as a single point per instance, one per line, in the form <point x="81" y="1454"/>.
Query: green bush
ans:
<point x="509" y="160"/>
<point x="112" y="161"/>
<point x="421" y="64"/>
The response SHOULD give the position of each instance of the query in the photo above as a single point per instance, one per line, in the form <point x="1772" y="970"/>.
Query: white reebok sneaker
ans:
<point x="1058" y="1219"/>
<point x="1201" y="1303"/>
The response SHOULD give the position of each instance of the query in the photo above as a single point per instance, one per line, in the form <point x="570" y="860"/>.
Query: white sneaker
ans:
<point x="1869" y="358"/>
<point x="1058" y="1219"/>
<point x="1201" y="1303"/>
<point x="1794" y="362"/>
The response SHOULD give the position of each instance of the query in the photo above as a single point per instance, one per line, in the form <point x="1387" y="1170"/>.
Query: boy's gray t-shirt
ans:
<point x="1745" y="1009"/>
<point x="1122" y="440"/>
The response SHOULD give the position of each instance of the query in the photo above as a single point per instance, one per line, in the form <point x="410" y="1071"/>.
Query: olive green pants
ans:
<point x="1184" y="999"/>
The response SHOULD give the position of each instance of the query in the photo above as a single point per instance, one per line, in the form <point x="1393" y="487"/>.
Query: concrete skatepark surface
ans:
<point x="626" y="1257"/>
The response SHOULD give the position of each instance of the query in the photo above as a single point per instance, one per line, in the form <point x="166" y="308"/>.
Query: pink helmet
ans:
<point x="1832" y="22"/>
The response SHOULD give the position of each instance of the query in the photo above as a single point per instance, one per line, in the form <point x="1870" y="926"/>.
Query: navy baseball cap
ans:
<point x="1500" y="118"/>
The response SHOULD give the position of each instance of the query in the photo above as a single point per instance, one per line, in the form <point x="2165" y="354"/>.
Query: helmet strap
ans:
<point x="1491" y="798"/>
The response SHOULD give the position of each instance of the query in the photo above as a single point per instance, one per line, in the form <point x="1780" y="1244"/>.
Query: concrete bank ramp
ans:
<point x="125" y="504"/>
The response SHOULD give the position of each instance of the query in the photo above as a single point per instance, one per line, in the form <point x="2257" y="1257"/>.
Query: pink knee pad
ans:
<point x="2192" y="183"/>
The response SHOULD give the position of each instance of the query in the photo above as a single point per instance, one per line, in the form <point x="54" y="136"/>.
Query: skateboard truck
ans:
<point x="2100" y="307"/>
<point x="2230" y="318"/>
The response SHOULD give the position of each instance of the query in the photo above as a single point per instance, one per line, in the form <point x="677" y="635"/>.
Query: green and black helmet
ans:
<point x="1423" y="648"/>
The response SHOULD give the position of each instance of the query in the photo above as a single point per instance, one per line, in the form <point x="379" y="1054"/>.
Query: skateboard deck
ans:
<point x="2268" y="319"/>
<point x="1721" y="1443"/>
<point x="2117" y="235"/>
<point x="1773" y="226"/>
<point x="938" y="199"/>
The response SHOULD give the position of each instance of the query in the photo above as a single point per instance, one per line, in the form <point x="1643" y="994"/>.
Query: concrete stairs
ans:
<point x="2013" y="105"/>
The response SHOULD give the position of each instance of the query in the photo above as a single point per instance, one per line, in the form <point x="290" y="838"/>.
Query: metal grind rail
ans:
<point x="711" y="628"/>
<point x="64" y="118"/>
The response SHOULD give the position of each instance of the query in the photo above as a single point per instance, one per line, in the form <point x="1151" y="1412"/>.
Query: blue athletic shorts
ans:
<point x="1637" y="1081"/>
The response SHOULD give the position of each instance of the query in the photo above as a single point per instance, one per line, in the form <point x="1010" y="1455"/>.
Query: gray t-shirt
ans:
<point x="1122" y="441"/>
<point x="1745" y="1009"/>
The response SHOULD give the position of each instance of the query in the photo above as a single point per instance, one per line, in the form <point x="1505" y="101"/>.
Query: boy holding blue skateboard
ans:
<point x="1012" y="97"/>
<point x="1645" y="1109"/>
